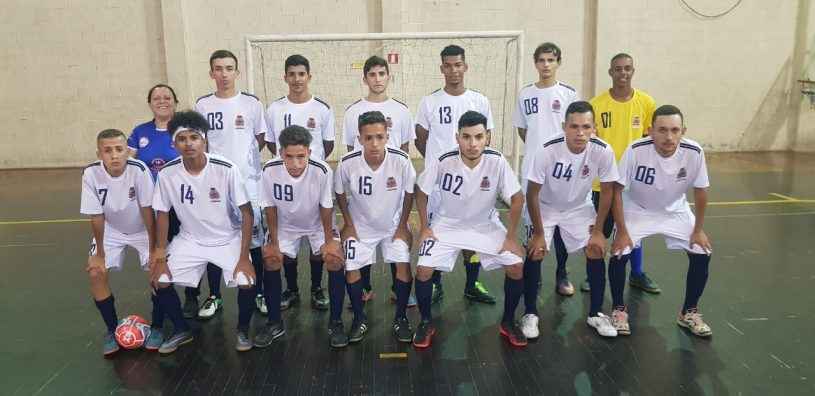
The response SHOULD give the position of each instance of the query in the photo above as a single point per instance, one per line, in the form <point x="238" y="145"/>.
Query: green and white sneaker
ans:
<point x="210" y="307"/>
<point x="109" y="344"/>
<point x="154" y="340"/>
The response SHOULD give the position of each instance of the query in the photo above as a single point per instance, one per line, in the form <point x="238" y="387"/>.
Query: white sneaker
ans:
<point x="602" y="324"/>
<point x="529" y="326"/>
<point x="260" y="302"/>
<point x="692" y="320"/>
<point x="619" y="319"/>
<point x="210" y="307"/>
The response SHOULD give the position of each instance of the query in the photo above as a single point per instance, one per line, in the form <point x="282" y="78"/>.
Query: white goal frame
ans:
<point x="517" y="35"/>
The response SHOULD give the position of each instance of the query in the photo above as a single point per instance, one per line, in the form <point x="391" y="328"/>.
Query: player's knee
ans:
<point x="515" y="271"/>
<point x="403" y="272"/>
<point x="270" y="265"/>
<point x="423" y="274"/>
<point x="98" y="275"/>
<point x="592" y="255"/>
<point x="352" y="276"/>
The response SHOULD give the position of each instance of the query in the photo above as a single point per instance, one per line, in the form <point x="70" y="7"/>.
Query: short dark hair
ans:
<point x="372" y="117"/>
<point x="222" y="53"/>
<point x="375" y="61"/>
<point x="472" y="118"/>
<point x="452" y="50"/>
<point x="188" y="119"/>
<point x="296" y="60"/>
<point x="294" y="135"/>
<point x="667" y="110"/>
<point x="110" y="134"/>
<point x="547" y="48"/>
<point x="620" y="56"/>
<point x="150" y="92"/>
<point x="581" y="106"/>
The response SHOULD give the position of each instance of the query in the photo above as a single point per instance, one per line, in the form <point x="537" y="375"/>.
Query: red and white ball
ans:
<point x="132" y="331"/>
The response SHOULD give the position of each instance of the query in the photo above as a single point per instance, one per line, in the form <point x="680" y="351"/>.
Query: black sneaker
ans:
<point x="479" y="293"/>
<point x="438" y="294"/>
<point x="402" y="330"/>
<point x="270" y="332"/>
<point x="336" y="335"/>
<point x="513" y="334"/>
<point x="358" y="330"/>
<point x="645" y="283"/>
<point x="424" y="334"/>
<point x="318" y="299"/>
<point x="289" y="298"/>
<point x="190" y="309"/>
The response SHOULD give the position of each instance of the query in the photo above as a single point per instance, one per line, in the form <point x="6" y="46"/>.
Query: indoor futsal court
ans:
<point x="274" y="140"/>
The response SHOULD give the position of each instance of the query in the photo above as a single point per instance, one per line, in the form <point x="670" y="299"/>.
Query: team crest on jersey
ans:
<point x="556" y="106"/>
<point x="156" y="164"/>
<point x="636" y="122"/>
<point x="391" y="183"/>
<point x="311" y="123"/>
<point x="239" y="122"/>
<point x="682" y="174"/>
<point x="143" y="142"/>
<point x="131" y="194"/>
<point x="585" y="172"/>
<point x="485" y="183"/>
<point x="389" y="121"/>
<point x="214" y="196"/>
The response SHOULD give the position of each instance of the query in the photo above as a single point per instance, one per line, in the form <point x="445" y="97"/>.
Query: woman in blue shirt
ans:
<point x="150" y="141"/>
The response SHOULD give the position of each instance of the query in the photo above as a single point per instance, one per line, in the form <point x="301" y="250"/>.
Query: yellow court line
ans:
<point x="21" y="222"/>
<point x="782" y="196"/>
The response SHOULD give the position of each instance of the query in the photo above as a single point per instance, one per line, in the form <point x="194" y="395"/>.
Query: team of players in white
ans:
<point x="215" y="194"/>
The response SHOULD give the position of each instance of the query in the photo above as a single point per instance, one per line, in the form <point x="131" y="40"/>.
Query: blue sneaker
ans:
<point x="411" y="301"/>
<point x="175" y="341"/>
<point x="154" y="340"/>
<point x="109" y="344"/>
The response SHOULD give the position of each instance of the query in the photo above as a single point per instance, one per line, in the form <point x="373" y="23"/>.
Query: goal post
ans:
<point x="494" y="59"/>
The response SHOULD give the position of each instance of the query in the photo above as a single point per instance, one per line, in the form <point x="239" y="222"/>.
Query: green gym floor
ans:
<point x="759" y="303"/>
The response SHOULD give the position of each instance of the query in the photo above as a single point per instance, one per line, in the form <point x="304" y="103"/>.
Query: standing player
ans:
<point x="376" y="75"/>
<point x="656" y="172"/>
<point x="539" y="117"/>
<point x="374" y="187"/>
<point x="209" y="197"/>
<point x="117" y="194"/>
<point x="301" y="108"/>
<point x="622" y="115"/>
<point x="296" y="196"/>
<point x="560" y="176"/>
<point x="469" y="180"/>
<point x="236" y="131"/>
<point x="436" y="133"/>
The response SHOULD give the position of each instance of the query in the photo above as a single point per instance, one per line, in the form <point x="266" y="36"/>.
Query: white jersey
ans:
<point x="467" y="196"/>
<point x="439" y="113"/>
<point x="375" y="196"/>
<point x="121" y="198"/>
<point x="565" y="177"/>
<point x="657" y="184"/>
<point x="541" y="111"/>
<point x="298" y="199"/>
<point x="400" y="124"/>
<point x="315" y="115"/>
<point x="207" y="203"/>
<point x="233" y="124"/>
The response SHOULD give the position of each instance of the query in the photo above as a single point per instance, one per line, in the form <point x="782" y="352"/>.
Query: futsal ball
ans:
<point x="132" y="331"/>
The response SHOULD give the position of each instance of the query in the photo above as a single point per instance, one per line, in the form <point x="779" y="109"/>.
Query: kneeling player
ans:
<point x="469" y="180"/>
<point x="656" y="172"/>
<point x="296" y="195"/>
<point x="117" y="193"/>
<point x="560" y="176"/>
<point x="379" y="182"/>
<point x="210" y="200"/>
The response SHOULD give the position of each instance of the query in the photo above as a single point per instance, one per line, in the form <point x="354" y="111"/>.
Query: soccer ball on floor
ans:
<point x="132" y="331"/>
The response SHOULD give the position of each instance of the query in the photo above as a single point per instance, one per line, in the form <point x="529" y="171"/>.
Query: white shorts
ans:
<point x="290" y="242"/>
<point x="675" y="227"/>
<point x="485" y="239"/>
<point x="187" y="261"/>
<point x="115" y="244"/>
<point x="362" y="253"/>
<point x="575" y="227"/>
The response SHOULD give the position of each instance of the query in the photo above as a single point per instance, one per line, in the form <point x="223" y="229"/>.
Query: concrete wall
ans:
<point x="75" y="67"/>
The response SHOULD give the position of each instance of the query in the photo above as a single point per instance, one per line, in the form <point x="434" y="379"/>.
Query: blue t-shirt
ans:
<point x="155" y="146"/>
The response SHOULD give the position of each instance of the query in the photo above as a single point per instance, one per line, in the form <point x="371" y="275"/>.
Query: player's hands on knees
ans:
<point x="700" y="238"/>
<point x="332" y="253"/>
<point x="596" y="248"/>
<point x="621" y="242"/>
<point x="537" y="247"/>
<point x="427" y="233"/>
<point x="348" y="231"/>
<point x="95" y="263"/>
<point x="404" y="234"/>
<point x="158" y="267"/>
<point x="245" y="265"/>
<point x="272" y="254"/>
<point x="512" y="246"/>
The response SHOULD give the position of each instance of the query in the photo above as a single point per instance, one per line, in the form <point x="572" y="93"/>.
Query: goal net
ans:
<point x="336" y="62"/>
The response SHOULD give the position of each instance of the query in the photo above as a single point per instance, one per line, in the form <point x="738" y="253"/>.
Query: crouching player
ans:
<point x="558" y="195"/>
<point x="655" y="173"/>
<point x="117" y="193"/>
<point x="296" y="196"/>
<point x="374" y="187"/>
<point x="469" y="179"/>
<point x="210" y="200"/>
